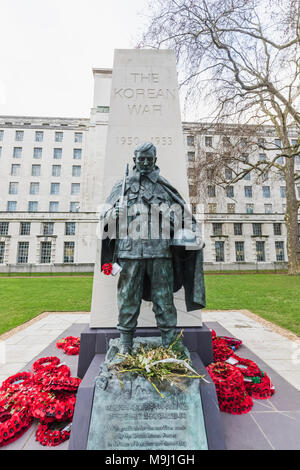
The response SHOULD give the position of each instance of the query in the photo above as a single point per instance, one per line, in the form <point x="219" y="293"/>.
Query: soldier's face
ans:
<point x="145" y="162"/>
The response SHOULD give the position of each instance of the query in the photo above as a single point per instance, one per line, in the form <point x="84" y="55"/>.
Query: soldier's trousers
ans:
<point x="130" y="290"/>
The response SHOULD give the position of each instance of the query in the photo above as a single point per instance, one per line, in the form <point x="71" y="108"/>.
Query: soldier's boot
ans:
<point x="168" y="337"/>
<point x="126" y="342"/>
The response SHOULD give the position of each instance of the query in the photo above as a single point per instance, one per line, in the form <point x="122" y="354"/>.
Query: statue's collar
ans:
<point x="152" y="176"/>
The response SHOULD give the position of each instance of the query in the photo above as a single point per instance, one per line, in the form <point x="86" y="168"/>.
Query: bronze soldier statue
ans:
<point x="153" y="266"/>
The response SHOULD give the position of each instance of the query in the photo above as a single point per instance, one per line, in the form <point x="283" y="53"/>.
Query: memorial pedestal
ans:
<point x="94" y="345"/>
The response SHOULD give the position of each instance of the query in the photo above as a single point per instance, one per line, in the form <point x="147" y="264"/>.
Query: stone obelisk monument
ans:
<point x="144" y="107"/>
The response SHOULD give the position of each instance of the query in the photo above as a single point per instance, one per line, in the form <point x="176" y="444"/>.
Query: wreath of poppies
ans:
<point x="13" y="425"/>
<point x="236" y="384"/>
<point x="70" y="345"/>
<point x="107" y="269"/>
<point x="47" y="394"/>
<point x="231" y="392"/>
<point x="51" y="437"/>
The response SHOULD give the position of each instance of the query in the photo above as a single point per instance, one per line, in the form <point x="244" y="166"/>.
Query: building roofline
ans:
<point x="11" y="116"/>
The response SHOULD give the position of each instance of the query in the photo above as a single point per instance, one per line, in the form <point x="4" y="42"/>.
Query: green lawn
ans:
<point x="23" y="299"/>
<point x="274" y="297"/>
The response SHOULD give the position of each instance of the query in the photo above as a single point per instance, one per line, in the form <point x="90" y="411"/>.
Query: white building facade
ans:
<point x="50" y="186"/>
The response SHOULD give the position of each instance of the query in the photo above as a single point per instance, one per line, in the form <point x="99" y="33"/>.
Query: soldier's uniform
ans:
<point x="145" y="257"/>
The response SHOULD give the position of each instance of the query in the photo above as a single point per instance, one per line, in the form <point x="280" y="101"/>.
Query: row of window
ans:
<point x="208" y="141"/>
<point x="45" y="252"/>
<point x="38" y="153"/>
<point x="238" y="228"/>
<point x="36" y="170"/>
<point x="240" y="251"/>
<point x="33" y="206"/>
<point x="39" y="136"/>
<point x="47" y="228"/>
<point x="249" y="208"/>
<point x="248" y="191"/>
<point x="34" y="188"/>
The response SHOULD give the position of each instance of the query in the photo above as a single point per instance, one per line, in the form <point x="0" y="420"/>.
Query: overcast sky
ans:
<point x="48" y="49"/>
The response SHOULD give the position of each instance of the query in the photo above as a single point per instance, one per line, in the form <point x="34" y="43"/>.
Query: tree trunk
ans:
<point x="291" y="219"/>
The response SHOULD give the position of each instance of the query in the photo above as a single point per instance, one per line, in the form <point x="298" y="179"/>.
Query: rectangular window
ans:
<point x="32" y="206"/>
<point x="76" y="170"/>
<point x="217" y="229"/>
<point x="56" y="170"/>
<point x="11" y="206"/>
<point x="208" y="141"/>
<point x="247" y="177"/>
<point x="37" y="152"/>
<point x="238" y="228"/>
<point x="261" y="141"/>
<point x="13" y="188"/>
<point x="2" y="249"/>
<point x="211" y="191"/>
<point x="191" y="156"/>
<point x="70" y="228"/>
<point x="239" y="251"/>
<point x="280" y="160"/>
<point x="277" y="228"/>
<point x="36" y="170"/>
<point x="15" y="169"/>
<point x="257" y="231"/>
<point x="53" y="206"/>
<point x="45" y="253"/>
<point x="34" y="188"/>
<point x="279" y="248"/>
<point x="266" y="191"/>
<point x="57" y="153"/>
<point x="69" y="252"/>
<point x="77" y="154"/>
<point x="277" y="143"/>
<point x="74" y="206"/>
<point x="39" y="135"/>
<point x="75" y="188"/>
<point x="190" y="140"/>
<point x="228" y="174"/>
<point x="282" y="191"/>
<point x="17" y="152"/>
<point x="219" y="247"/>
<point x="283" y="208"/>
<point x="230" y="191"/>
<point x="4" y="228"/>
<point x="230" y="208"/>
<point x="25" y="228"/>
<point x="268" y="209"/>
<point x="248" y="191"/>
<point x="23" y="248"/>
<point x="48" y="228"/>
<point x="245" y="157"/>
<point x="262" y="157"/>
<point x="212" y="207"/>
<point x="54" y="189"/>
<point x="1" y="135"/>
<point x="78" y="137"/>
<point x="260" y="251"/>
<point x="59" y="136"/>
<point x="19" y="136"/>
<point x="298" y="191"/>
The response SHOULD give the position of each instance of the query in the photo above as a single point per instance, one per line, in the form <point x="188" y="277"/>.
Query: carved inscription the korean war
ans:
<point x="144" y="96"/>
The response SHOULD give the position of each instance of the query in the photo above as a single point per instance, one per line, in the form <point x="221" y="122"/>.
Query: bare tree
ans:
<point x="242" y="58"/>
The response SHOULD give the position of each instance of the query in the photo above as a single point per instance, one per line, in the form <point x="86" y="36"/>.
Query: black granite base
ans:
<point x="95" y="341"/>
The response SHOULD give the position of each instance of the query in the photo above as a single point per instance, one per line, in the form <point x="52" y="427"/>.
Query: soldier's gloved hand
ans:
<point x="118" y="211"/>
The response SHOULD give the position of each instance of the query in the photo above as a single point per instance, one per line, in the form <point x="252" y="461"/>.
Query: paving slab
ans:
<point x="271" y="424"/>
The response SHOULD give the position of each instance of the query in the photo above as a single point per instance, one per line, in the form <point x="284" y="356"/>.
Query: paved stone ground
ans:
<point x="272" y="424"/>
